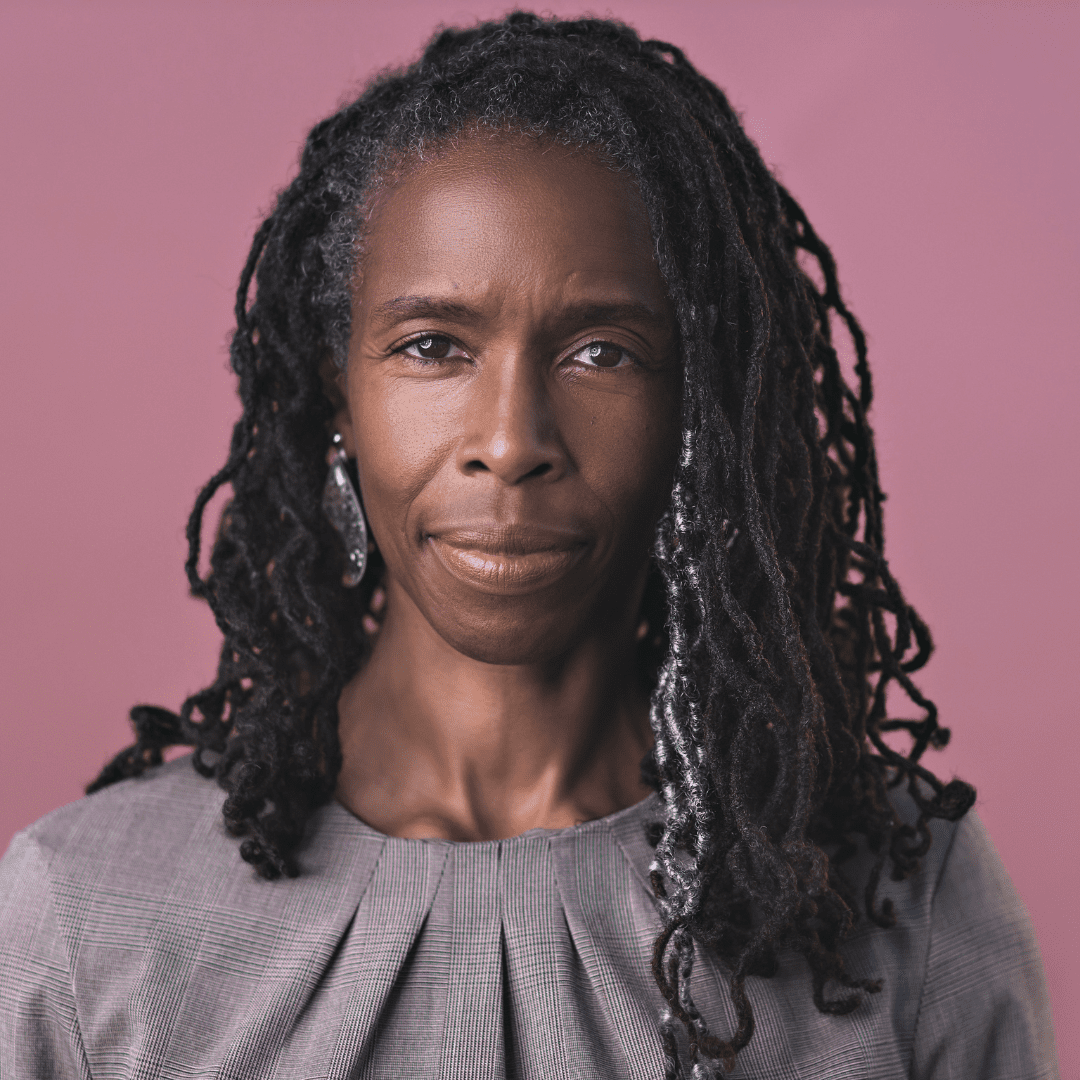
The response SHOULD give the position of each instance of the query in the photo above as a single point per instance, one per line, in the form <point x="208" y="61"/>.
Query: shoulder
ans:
<point x="984" y="1003"/>
<point x="960" y="877"/>
<point x="149" y="861"/>
<point x="960" y="870"/>
<point x="109" y="860"/>
<point x="117" y="909"/>
<point x="136" y="827"/>
<point x="962" y="976"/>
<point x="110" y="857"/>
<point x="960" y="891"/>
<point x="92" y="868"/>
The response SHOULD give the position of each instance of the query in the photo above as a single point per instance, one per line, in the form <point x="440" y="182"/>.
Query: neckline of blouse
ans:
<point x="644" y="808"/>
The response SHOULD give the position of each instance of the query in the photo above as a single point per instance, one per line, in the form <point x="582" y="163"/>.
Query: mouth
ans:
<point x="509" y="560"/>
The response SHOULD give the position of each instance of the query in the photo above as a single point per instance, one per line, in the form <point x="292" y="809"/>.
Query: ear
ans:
<point x="335" y="387"/>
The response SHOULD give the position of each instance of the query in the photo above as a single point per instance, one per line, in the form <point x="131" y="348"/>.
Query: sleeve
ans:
<point x="39" y="1029"/>
<point x="984" y="1012"/>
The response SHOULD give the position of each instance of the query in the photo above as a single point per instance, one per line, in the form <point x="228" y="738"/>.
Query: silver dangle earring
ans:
<point x="341" y="505"/>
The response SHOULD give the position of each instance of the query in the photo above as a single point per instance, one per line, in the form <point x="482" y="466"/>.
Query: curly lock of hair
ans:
<point x="783" y="627"/>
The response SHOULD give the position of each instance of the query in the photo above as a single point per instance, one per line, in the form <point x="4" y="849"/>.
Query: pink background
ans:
<point x="934" y="147"/>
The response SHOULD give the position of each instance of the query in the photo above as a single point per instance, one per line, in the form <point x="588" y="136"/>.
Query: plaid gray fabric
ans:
<point x="135" y="943"/>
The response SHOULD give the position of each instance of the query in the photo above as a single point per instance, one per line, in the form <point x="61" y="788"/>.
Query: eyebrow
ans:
<point x="583" y="313"/>
<point x="425" y="307"/>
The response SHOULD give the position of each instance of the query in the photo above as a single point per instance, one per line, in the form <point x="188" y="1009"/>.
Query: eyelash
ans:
<point x="427" y="337"/>
<point x="405" y="346"/>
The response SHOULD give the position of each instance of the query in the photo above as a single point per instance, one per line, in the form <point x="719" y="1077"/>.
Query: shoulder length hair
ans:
<point x="776" y="627"/>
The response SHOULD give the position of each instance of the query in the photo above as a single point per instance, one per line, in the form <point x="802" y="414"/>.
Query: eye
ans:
<point x="430" y="347"/>
<point x="602" y="354"/>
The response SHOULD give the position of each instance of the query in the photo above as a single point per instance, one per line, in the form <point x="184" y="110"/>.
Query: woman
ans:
<point x="576" y="768"/>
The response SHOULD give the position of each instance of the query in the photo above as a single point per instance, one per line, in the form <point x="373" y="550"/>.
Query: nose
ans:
<point x="513" y="431"/>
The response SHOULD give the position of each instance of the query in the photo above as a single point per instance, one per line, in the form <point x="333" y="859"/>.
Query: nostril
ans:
<point x="540" y="470"/>
<point x="476" y="465"/>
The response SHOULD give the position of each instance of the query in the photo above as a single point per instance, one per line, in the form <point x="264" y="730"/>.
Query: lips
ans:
<point x="507" y="559"/>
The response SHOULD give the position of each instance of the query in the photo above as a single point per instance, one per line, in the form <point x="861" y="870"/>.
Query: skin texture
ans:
<point x="512" y="398"/>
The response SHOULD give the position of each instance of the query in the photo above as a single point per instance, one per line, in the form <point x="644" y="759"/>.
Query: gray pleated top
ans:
<point x="135" y="943"/>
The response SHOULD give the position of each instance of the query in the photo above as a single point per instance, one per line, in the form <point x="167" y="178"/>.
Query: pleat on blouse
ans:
<point x="134" y="943"/>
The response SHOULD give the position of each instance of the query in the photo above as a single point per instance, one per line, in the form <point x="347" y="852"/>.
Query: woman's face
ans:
<point x="513" y="394"/>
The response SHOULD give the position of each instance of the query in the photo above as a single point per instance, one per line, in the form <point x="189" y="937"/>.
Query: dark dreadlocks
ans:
<point x="782" y="625"/>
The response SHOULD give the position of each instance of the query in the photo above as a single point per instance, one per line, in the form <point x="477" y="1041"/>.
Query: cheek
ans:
<point x="627" y="456"/>
<point x="401" y="442"/>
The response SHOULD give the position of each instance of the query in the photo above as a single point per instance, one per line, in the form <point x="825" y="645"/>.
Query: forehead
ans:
<point x="523" y="210"/>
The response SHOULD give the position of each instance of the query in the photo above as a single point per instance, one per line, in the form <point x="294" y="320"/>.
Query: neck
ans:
<point x="437" y="744"/>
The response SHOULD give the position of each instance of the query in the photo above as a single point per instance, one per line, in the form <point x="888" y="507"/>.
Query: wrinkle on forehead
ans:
<point x="397" y="164"/>
<point x="550" y="223"/>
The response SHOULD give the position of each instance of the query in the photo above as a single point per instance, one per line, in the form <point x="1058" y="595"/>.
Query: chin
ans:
<point x="508" y="641"/>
